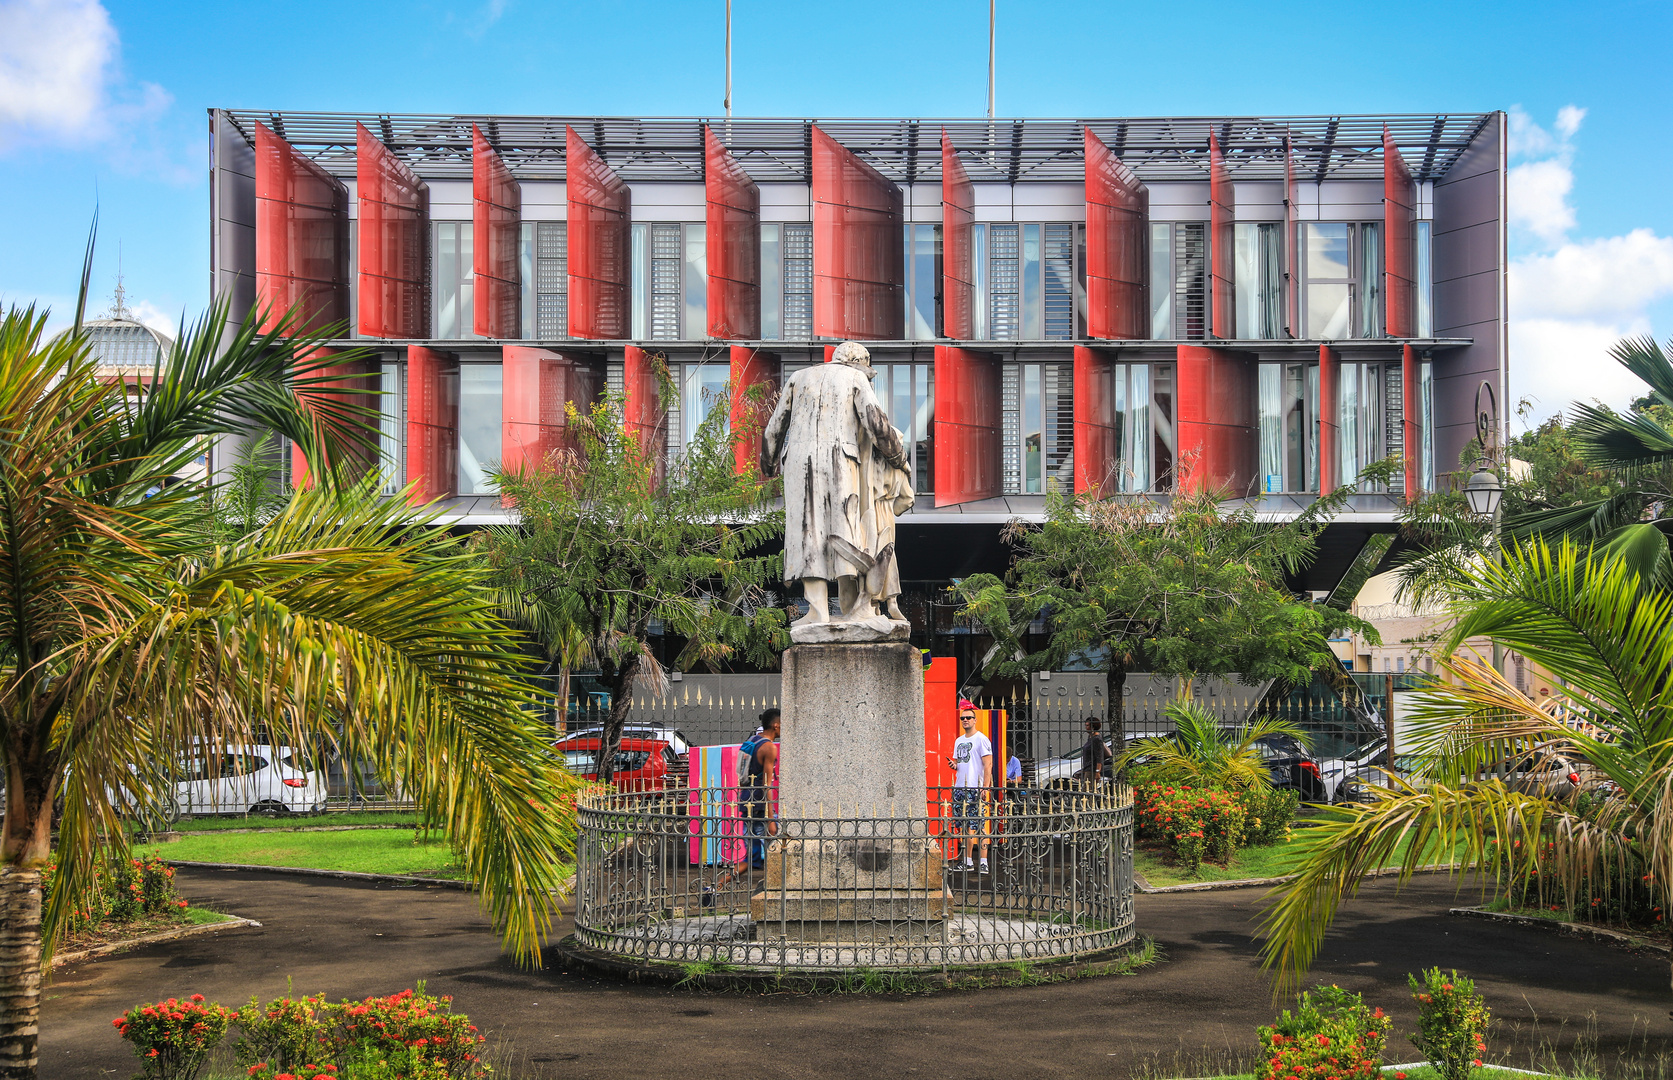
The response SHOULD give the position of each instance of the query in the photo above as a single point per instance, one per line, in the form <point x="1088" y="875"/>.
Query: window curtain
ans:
<point x="1272" y="427"/>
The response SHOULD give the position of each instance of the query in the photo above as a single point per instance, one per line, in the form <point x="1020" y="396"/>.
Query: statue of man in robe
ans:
<point x="824" y="437"/>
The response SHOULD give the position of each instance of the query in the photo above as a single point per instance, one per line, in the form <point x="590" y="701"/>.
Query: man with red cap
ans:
<point x="972" y="765"/>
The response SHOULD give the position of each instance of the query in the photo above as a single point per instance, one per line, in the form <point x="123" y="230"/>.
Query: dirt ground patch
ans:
<point x="350" y="939"/>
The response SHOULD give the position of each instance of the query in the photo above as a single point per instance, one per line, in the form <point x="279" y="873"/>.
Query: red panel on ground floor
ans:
<point x="1218" y="425"/>
<point x="1410" y="425"/>
<point x="967" y="425"/>
<point x="1330" y="370"/>
<point x="350" y="387"/>
<point x="642" y="410"/>
<point x="539" y="383"/>
<point x="432" y="424"/>
<point x="1097" y="440"/>
<point x="751" y="368"/>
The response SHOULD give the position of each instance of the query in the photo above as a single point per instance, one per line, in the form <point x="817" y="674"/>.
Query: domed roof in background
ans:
<point x="121" y="341"/>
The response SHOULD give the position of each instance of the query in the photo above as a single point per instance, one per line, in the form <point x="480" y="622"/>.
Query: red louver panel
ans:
<point x="1097" y="441"/>
<point x="859" y="258"/>
<point x="599" y="266"/>
<point x="432" y="424"/>
<point x="958" y="276"/>
<point x="1400" y="238"/>
<point x="1117" y="215"/>
<point x="1410" y="428"/>
<point x="1292" y="284"/>
<point x="538" y="384"/>
<point x="1222" y="244"/>
<point x="1330" y="370"/>
<point x="967" y="437"/>
<point x="733" y="243"/>
<point x="394" y="241"/>
<point x="497" y="212"/>
<point x="642" y="410"/>
<point x="302" y="236"/>
<point x="751" y="368"/>
<point x="1219" y="430"/>
<point x="351" y="385"/>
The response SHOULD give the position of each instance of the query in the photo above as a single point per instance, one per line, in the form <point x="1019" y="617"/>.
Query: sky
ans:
<point x="103" y="104"/>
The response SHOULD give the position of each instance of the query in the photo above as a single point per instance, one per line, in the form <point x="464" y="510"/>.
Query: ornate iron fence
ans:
<point x="687" y="876"/>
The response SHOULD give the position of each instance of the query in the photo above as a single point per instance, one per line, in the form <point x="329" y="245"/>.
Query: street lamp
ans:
<point x="1484" y="492"/>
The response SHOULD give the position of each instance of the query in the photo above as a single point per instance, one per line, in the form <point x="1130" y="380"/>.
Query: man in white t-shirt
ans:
<point x="972" y="765"/>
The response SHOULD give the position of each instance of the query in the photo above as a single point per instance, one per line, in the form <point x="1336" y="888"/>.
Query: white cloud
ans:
<point x="1568" y="121"/>
<point x="1611" y="277"/>
<point x="155" y="317"/>
<point x="1538" y="194"/>
<point x="1555" y="362"/>
<point x="58" y="74"/>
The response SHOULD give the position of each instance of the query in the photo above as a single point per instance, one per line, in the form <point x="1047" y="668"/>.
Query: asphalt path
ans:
<point x="1183" y="1017"/>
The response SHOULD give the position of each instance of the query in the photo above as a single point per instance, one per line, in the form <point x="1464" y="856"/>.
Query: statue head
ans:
<point x="853" y="354"/>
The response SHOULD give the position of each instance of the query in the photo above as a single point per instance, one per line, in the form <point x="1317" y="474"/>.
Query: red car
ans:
<point x="641" y="764"/>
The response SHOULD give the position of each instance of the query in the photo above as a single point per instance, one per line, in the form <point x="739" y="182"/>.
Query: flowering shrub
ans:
<point x="406" y="1036"/>
<point x="173" y="1038"/>
<point x="1609" y="899"/>
<point x="1196" y="823"/>
<point x="1451" y="1022"/>
<point x="122" y="890"/>
<point x="1267" y="812"/>
<point x="1332" y="1035"/>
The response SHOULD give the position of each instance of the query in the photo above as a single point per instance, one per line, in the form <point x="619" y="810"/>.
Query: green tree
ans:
<point x="1193" y="586"/>
<point x="1581" y="611"/>
<point x="126" y="640"/>
<point x="607" y="543"/>
<point x="1202" y="752"/>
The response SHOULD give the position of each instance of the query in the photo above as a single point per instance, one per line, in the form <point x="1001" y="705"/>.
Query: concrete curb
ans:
<point x="62" y="959"/>
<point x="1250" y="883"/>
<point x="346" y="875"/>
<point x="1552" y="926"/>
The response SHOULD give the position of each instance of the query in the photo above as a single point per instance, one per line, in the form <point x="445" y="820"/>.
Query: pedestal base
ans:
<point x="862" y="889"/>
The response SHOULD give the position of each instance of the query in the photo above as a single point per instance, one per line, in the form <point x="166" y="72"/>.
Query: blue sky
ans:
<point x="105" y="102"/>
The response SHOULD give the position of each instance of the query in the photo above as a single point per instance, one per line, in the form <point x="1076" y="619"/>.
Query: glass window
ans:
<point x="1426" y="424"/>
<point x="907" y="394"/>
<point x="392" y="407"/>
<point x="1141" y="403"/>
<point x="639" y="245"/>
<point x="923" y="281"/>
<point x="696" y="324"/>
<point x="772" y="282"/>
<point x="1258" y="280"/>
<point x="1370" y="279"/>
<point x="1425" y="281"/>
<point x="667" y="256"/>
<point x="544" y="256"/>
<point x="1326" y="251"/>
<point x="979" y="278"/>
<point x="1037" y="425"/>
<point x="1190" y="280"/>
<point x="455" y="280"/>
<point x="1032" y="312"/>
<point x="1369" y="416"/>
<point x="1004" y="282"/>
<point x="798" y="282"/>
<point x="1289" y="427"/>
<point x="1161" y="272"/>
<point x="703" y="388"/>
<point x="479" y="427"/>
<point x="1059" y="259"/>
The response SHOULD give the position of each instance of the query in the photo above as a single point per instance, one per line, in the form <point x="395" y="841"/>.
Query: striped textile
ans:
<point x="716" y="830"/>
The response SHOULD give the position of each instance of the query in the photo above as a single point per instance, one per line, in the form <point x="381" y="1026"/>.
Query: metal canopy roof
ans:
<point x="906" y="151"/>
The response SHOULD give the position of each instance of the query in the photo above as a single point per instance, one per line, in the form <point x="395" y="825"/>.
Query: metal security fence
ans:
<point x="678" y="876"/>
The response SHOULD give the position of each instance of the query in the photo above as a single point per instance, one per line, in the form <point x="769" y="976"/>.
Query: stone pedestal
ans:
<point x="853" y="861"/>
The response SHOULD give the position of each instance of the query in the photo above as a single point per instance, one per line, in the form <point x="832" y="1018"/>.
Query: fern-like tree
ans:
<point x="1204" y="752"/>
<point x="1194" y="586"/>
<point x="608" y="543"/>
<point x="127" y="640"/>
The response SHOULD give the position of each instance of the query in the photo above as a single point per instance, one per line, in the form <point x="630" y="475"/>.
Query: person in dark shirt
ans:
<point x="1094" y="755"/>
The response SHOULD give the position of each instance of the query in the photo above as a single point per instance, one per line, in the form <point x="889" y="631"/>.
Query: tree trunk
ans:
<point x="20" y="971"/>
<point x="1115" y="689"/>
<point x="621" y="701"/>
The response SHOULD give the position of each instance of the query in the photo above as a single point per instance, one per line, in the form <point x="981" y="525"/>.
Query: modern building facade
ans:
<point x="1115" y="305"/>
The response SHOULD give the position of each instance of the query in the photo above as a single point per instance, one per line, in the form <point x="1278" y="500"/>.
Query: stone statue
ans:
<point x="844" y="466"/>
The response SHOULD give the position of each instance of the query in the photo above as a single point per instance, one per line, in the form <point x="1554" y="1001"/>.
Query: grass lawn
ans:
<point x="366" y="851"/>
<point x="296" y="821"/>
<point x="1273" y="860"/>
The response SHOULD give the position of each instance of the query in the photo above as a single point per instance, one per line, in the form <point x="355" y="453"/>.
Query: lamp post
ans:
<point x="1485" y="494"/>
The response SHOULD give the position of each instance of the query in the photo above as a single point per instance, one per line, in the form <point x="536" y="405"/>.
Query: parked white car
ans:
<point x="250" y="780"/>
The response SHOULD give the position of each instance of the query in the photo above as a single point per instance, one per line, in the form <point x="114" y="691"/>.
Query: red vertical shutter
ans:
<point x="432" y="424"/>
<point x="538" y="384"/>
<point x="1117" y="212"/>
<point x="1292" y="263"/>
<point x="1399" y="242"/>
<point x="1410" y="429"/>
<point x="1330" y="370"/>
<point x="1097" y="447"/>
<point x="958" y="276"/>
<point x="642" y="409"/>
<point x="859" y="257"/>
<point x="394" y="242"/>
<point x="1222" y="243"/>
<point x="302" y="237"/>
<point x="600" y="299"/>
<point x="349" y="386"/>
<point x="732" y="243"/>
<point x="750" y="368"/>
<point x="967" y="438"/>
<point x="497" y="204"/>
<point x="1217" y="419"/>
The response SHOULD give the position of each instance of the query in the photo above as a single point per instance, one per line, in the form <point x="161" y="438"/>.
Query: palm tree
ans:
<point x="125" y="639"/>
<point x="1203" y="753"/>
<point x="1584" y="612"/>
